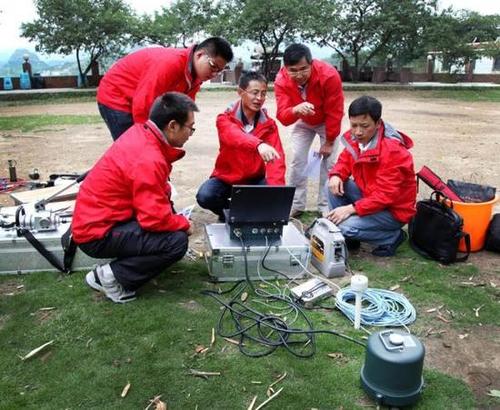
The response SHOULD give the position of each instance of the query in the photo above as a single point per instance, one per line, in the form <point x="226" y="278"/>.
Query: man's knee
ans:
<point x="204" y="196"/>
<point x="178" y="245"/>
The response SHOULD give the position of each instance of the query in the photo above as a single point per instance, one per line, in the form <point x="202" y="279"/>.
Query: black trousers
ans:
<point x="139" y="255"/>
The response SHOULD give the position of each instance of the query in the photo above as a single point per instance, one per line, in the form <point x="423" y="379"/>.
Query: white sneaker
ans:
<point x="101" y="279"/>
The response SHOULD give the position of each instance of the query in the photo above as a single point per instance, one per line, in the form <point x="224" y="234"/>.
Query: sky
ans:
<point x="15" y="12"/>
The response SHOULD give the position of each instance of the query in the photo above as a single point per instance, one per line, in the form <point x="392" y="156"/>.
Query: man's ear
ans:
<point x="171" y="126"/>
<point x="240" y="91"/>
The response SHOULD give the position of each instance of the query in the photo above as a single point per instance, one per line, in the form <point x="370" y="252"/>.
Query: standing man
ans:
<point x="372" y="186"/>
<point x="309" y="95"/>
<point x="128" y="89"/>
<point x="250" y="147"/>
<point x="123" y="209"/>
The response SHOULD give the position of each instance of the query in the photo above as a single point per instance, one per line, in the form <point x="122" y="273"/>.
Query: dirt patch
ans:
<point x="11" y="287"/>
<point x="469" y="354"/>
<point x="43" y="315"/>
<point x="191" y="305"/>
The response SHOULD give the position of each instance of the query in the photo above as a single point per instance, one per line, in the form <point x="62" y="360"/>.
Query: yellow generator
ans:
<point x="329" y="253"/>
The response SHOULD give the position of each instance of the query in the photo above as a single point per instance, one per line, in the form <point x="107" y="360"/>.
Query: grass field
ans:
<point x="155" y="342"/>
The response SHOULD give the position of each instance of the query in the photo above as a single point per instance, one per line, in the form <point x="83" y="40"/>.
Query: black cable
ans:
<point x="269" y="331"/>
<point x="262" y="263"/>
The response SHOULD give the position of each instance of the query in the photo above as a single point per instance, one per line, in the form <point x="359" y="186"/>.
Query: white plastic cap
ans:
<point x="359" y="283"/>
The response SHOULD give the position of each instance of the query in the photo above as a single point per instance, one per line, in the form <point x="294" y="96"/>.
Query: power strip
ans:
<point x="311" y="291"/>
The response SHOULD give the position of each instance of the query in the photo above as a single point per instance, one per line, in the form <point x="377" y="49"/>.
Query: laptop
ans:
<point x="259" y="210"/>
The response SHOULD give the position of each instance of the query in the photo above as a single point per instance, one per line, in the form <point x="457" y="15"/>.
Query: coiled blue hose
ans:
<point x="380" y="307"/>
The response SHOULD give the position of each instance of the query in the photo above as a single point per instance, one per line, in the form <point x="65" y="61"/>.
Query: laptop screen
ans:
<point x="260" y="204"/>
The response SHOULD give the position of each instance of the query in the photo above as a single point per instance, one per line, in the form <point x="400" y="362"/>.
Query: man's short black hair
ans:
<point x="171" y="106"/>
<point x="216" y="47"/>
<point x="251" y="76"/>
<point x="366" y="105"/>
<point x="296" y="52"/>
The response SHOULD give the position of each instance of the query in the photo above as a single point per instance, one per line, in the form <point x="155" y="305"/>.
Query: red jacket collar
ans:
<point x="235" y="112"/>
<point x="172" y="154"/>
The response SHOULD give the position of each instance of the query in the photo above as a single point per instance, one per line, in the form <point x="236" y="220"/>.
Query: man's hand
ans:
<point x="267" y="152"/>
<point x="336" y="186"/>
<point x="189" y="232"/>
<point x="341" y="213"/>
<point x="304" y="109"/>
<point x="326" y="149"/>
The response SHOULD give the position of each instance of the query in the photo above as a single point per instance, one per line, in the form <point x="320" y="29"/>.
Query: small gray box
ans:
<point x="17" y="255"/>
<point x="226" y="262"/>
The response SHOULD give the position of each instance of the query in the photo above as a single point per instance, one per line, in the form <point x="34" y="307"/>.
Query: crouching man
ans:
<point x="123" y="209"/>
<point x="379" y="199"/>
<point x="250" y="150"/>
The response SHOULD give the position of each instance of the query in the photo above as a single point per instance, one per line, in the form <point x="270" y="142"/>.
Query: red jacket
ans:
<point x="239" y="161"/>
<point x="384" y="173"/>
<point x="134" y="81"/>
<point x="324" y="90"/>
<point x="129" y="181"/>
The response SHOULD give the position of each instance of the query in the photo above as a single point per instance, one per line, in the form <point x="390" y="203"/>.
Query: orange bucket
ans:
<point x="476" y="216"/>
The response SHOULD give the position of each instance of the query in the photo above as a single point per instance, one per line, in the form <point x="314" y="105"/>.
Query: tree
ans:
<point x="359" y="30"/>
<point x="463" y="36"/>
<point x="92" y="27"/>
<point x="268" y="23"/>
<point x="177" y="25"/>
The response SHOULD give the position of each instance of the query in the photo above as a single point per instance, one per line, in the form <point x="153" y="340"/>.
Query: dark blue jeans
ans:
<point x="380" y="228"/>
<point x="117" y="121"/>
<point x="214" y="194"/>
<point x="139" y="255"/>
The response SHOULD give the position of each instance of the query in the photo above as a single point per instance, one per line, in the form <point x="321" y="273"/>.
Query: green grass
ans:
<point x="99" y="346"/>
<point x="469" y="95"/>
<point x="27" y="123"/>
<point x="49" y="99"/>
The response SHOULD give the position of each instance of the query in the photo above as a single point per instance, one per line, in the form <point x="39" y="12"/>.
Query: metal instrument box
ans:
<point x="226" y="261"/>
<point x="17" y="255"/>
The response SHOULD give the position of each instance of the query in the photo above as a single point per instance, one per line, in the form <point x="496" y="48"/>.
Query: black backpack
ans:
<point x="493" y="235"/>
<point x="436" y="230"/>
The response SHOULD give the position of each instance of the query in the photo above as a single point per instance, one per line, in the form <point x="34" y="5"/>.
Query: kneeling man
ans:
<point x="379" y="199"/>
<point x="123" y="209"/>
<point x="250" y="150"/>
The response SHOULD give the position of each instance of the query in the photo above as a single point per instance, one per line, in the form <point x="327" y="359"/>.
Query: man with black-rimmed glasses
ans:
<point x="128" y="89"/>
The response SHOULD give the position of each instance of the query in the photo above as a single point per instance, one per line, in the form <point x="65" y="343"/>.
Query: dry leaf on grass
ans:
<point x="244" y="296"/>
<point x="494" y="393"/>
<point x="200" y="349"/>
<point x="463" y="336"/>
<point x="36" y="351"/>
<point x="159" y="405"/>
<point x="212" y="340"/>
<point x="252" y="403"/>
<point x="232" y="341"/>
<point x="336" y="355"/>
<point x="261" y="405"/>
<point x="395" y="287"/>
<point x="125" y="390"/>
<point x="280" y="378"/>
<point x="199" y="373"/>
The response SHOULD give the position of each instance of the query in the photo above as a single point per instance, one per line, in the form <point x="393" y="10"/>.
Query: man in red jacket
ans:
<point x="128" y="89"/>
<point x="250" y="147"/>
<point x="123" y="209"/>
<point x="309" y="95"/>
<point x="380" y="198"/>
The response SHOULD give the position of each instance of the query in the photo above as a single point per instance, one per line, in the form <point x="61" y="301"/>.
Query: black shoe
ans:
<point x="390" y="250"/>
<point x="352" y="244"/>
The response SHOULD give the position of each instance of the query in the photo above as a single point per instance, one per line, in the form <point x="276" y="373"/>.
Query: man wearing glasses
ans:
<point x="250" y="150"/>
<point x="128" y="89"/>
<point x="309" y="95"/>
<point x="123" y="209"/>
